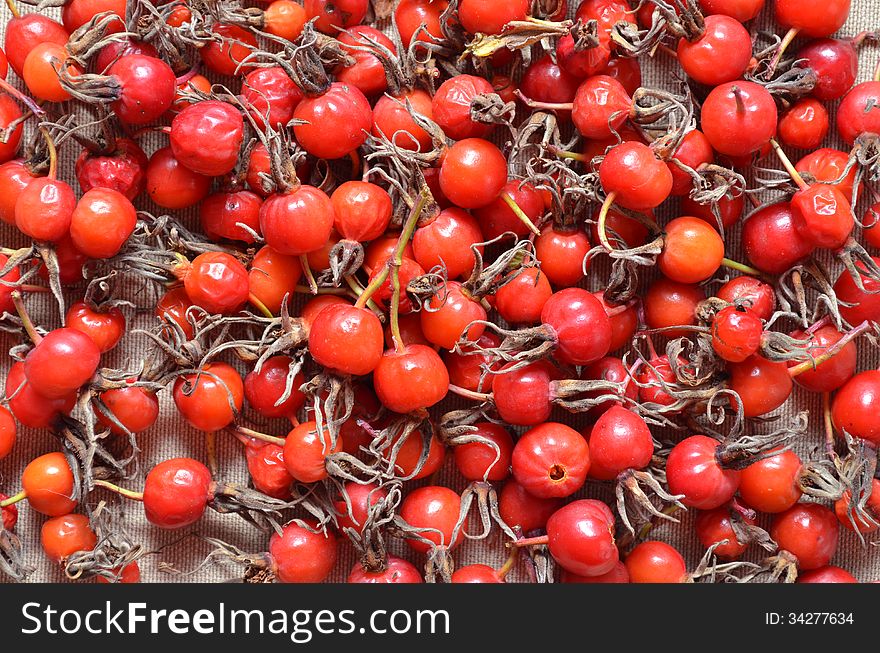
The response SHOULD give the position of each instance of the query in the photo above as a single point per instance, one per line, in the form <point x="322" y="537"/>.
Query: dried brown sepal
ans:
<point x="482" y="495"/>
<point x="743" y="451"/>
<point x="637" y="507"/>
<point x="516" y="35"/>
<point x="113" y="552"/>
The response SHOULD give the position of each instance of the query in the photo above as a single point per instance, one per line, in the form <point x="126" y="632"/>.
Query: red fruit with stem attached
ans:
<point x="172" y="185"/>
<point x="449" y="314"/>
<point x="620" y="440"/>
<point x="813" y="17"/>
<point x="655" y="562"/>
<point x="436" y="510"/>
<point x="9" y="113"/>
<point x="451" y="106"/>
<point x="396" y="571"/>
<point x="736" y="333"/>
<point x="303" y="554"/>
<point x="297" y="222"/>
<point x="836" y="64"/>
<point x="265" y="388"/>
<point x="44" y="209"/>
<point x="637" y="178"/>
<point x="581" y="538"/>
<point x="447" y="240"/>
<point x="551" y="460"/>
<point x="63" y="361"/>
<point x="392" y="119"/>
<point x="771" y="240"/>
<point x="581" y="63"/>
<point x="857" y="305"/>
<point x="832" y="373"/>
<point x="24" y="33"/>
<point x="426" y="379"/>
<point x="752" y="293"/>
<point x="518" y="507"/>
<point x="521" y="300"/>
<point x="233" y="45"/>
<point x="413" y="15"/>
<point x="49" y="485"/>
<point x="714" y="526"/>
<point x="176" y="493"/>
<point x="65" y="535"/>
<point x="225" y="215"/>
<point x="407" y="271"/>
<point x="561" y="252"/>
<point x="608" y="369"/>
<point x="361" y="498"/>
<point x="720" y="54"/>
<point x="694" y="470"/>
<point x="211" y="399"/>
<point x="362" y="211"/>
<point x="770" y="485"/>
<point x="347" y="339"/>
<point x="855" y="407"/>
<point x="490" y="16"/>
<point x="692" y="251"/>
<point x="829" y="166"/>
<point x="206" y="137"/>
<point x="863" y="523"/>
<point x="607" y="13"/>
<point x="730" y="209"/>
<point x="579" y="324"/>
<point x="809" y="531"/>
<point x="498" y="217"/>
<point x="546" y="82"/>
<point x="693" y="151"/>
<point x="600" y="107"/>
<point x="146" y="88"/>
<point x="336" y="122"/>
<point x="31" y="408"/>
<point x="473" y="173"/>
<point x="123" y="169"/>
<point x="804" y="125"/>
<point x="669" y="304"/>
<point x="859" y="111"/>
<point x="480" y="460"/>
<point x="217" y="282"/>
<point x="102" y="222"/>
<point x="522" y="396"/>
<point x="306" y="450"/>
<point x="762" y="385"/>
<point x="271" y="96"/>
<point x="367" y="72"/>
<point x="739" y="118"/>
<point x="104" y="327"/>
<point x="134" y="407"/>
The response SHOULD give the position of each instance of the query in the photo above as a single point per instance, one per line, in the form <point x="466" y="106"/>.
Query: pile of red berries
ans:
<point x="402" y="210"/>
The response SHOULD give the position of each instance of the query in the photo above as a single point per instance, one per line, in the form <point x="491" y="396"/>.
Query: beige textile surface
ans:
<point x="172" y="437"/>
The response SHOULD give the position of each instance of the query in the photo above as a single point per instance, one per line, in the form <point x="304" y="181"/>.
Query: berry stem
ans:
<point x="396" y="261"/>
<point x="13" y="9"/>
<point x="531" y="541"/>
<point x="35" y="108"/>
<point x="303" y="290"/>
<point x="742" y="267"/>
<point x="829" y="427"/>
<point x="832" y="351"/>
<point x="260" y="306"/>
<point x="783" y="46"/>
<point x="307" y="272"/>
<point x="603" y="216"/>
<point x="27" y="287"/>
<point x="787" y="164"/>
<point x="566" y="154"/>
<point x="15" y="498"/>
<point x="256" y="435"/>
<point x="358" y="291"/>
<point x="508" y="565"/>
<point x="549" y="106"/>
<point x="26" y="322"/>
<point x="469" y="394"/>
<point x="121" y="491"/>
<point x="211" y="451"/>
<point x="519" y="213"/>
<point x="737" y="95"/>
<point x="53" y="153"/>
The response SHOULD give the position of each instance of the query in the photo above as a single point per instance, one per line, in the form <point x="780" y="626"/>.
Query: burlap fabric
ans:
<point x="172" y="437"/>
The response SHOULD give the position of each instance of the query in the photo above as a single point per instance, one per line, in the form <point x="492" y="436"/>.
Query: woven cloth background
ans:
<point x="172" y="437"/>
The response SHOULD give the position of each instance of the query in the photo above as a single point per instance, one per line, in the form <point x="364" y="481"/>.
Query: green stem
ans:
<point x="128" y="494"/>
<point x="409" y="228"/>
<point x="26" y="322"/>
<point x="21" y="496"/>
<point x="519" y="213"/>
